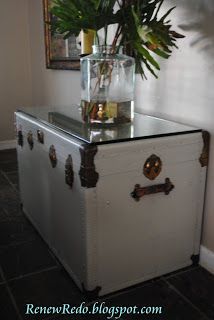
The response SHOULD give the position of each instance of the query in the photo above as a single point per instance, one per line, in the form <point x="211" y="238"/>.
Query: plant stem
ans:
<point x="106" y="33"/>
<point x="117" y="34"/>
<point x="97" y="39"/>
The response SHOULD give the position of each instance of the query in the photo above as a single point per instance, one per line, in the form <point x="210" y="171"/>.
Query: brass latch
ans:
<point x="152" y="167"/>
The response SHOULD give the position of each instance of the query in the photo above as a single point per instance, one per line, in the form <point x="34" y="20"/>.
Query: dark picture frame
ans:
<point x="60" y="54"/>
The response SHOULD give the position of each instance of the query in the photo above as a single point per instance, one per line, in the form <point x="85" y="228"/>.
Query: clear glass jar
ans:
<point x="107" y="86"/>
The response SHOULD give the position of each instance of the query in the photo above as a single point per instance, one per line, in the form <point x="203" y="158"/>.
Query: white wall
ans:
<point x="183" y="92"/>
<point x="15" y="77"/>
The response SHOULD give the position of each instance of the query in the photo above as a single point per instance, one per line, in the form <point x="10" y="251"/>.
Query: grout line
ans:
<point x="123" y="291"/>
<point x="177" y="273"/>
<point x="6" y="161"/>
<point x="140" y="285"/>
<point x="10" y="171"/>
<point x="16" y="244"/>
<point x="2" y="173"/>
<point x="186" y="299"/>
<point x="52" y="254"/>
<point x="43" y="240"/>
<point x="143" y="284"/>
<point x="33" y="273"/>
<point x="13" y="171"/>
<point x="11" y="295"/>
<point x="10" y="183"/>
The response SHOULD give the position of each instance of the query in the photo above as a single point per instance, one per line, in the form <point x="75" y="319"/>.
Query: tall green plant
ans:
<point x="139" y="28"/>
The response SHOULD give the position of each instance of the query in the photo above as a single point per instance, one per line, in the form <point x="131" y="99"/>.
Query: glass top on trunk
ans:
<point x="68" y="120"/>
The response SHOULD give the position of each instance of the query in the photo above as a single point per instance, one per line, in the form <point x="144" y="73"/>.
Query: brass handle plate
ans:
<point x="52" y="156"/>
<point x="40" y="136"/>
<point x="30" y="140"/>
<point x="140" y="192"/>
<point x="69" y="173"/>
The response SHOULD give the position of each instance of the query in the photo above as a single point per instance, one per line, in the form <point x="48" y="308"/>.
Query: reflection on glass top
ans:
<point x="69" y="121"/>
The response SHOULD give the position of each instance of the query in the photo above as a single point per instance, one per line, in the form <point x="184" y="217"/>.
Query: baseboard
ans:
<point x="8" y="144"/>
<point x="207" y="259"/>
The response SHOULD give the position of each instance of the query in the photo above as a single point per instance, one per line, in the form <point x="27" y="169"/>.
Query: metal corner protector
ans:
<point x="91" y="294"/>
<point x="87" y="173"/>
<point x="20" y="138"/>
<point x="204" y="158"/>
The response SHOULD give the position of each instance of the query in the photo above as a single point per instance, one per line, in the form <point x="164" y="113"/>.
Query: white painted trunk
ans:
<point x="102" y="235"/>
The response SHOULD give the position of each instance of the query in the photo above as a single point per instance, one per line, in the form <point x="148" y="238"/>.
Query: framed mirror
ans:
<point x="60" y="53"/>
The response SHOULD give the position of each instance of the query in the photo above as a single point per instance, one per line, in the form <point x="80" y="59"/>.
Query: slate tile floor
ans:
<point x="29" y="273"/>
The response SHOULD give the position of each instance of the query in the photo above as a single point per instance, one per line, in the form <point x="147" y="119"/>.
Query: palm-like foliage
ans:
<point x="139" y="29"/>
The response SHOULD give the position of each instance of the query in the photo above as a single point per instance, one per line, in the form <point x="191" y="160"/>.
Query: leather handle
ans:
<point x="140" y="192"/>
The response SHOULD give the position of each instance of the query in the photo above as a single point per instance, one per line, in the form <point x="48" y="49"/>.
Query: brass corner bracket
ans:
<point x="87" y="173"/>
<point x="204" y="158"/>
<point x="20" y="138"/>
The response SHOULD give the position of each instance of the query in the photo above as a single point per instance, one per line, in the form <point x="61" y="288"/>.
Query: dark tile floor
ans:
<point x="30" y="274"/>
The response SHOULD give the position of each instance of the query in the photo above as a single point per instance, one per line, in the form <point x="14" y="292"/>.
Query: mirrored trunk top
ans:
<point x="69" y="120"/>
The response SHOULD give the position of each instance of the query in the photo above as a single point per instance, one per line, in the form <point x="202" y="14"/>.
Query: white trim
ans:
<point x="207" y="259"/>
<point x="8" y="144"/>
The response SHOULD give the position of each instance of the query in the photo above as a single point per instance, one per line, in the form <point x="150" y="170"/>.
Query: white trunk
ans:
<point x="102" y="235"/>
